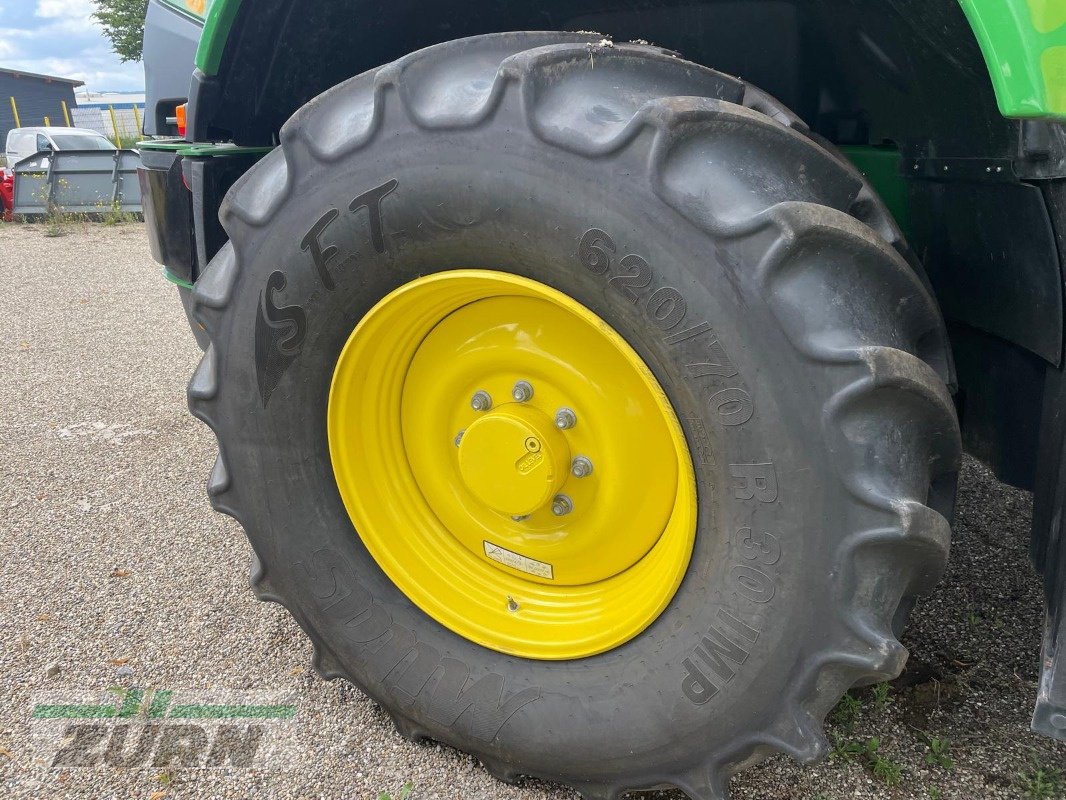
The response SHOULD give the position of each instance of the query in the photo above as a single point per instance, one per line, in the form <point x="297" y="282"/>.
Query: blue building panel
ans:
<point x="36" y="96"/>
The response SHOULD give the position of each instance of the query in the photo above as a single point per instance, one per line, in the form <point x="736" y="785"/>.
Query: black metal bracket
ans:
<point x="982" y="170"/>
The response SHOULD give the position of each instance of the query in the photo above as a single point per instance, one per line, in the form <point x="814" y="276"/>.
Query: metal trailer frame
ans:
<point x="77" y="181"/>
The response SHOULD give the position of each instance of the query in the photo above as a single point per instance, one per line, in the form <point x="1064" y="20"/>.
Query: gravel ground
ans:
<point x="115" y="572"/>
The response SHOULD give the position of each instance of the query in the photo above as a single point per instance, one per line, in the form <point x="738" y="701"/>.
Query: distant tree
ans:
<point x="123" y="22"/>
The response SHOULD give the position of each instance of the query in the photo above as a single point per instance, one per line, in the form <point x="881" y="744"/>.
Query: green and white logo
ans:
<point x="164" y="729"/>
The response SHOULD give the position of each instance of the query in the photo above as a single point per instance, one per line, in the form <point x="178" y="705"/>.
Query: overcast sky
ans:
<point x="60" y="37"/>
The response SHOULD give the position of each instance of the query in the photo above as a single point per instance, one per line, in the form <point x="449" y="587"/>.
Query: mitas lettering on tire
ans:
<point x="744" y="276"/>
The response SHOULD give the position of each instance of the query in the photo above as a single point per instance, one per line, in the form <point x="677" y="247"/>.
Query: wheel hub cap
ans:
<point x="514" y="460"/>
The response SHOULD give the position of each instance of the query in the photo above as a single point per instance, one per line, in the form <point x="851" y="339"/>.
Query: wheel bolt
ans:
<point x="459" y="437"/>
<point x="481" y="401"/>
<point x="580" y="467"/>
<point x="565" y="419"/>
<point x="562" y="505"/>
<point x="522" y="391"/>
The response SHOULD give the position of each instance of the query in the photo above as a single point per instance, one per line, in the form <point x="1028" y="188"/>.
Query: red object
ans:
<point x="7" y="194"/>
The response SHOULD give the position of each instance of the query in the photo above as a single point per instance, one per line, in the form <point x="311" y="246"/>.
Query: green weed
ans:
<point x="405" y="792"/>
<point x="884" y="768"/>
<point x="1040" y="782"/>
<point x="850" y="750"/>
<point x="880" y="693"/>
<point x="57" y="221"/>
<point x="846" y="713"/>
<point x="868" y="754"/>
<point x="939" y="753"/>
<point x="116" y="216"/>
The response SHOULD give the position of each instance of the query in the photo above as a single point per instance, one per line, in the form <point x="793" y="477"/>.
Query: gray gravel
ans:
<point x="114" y="571"/>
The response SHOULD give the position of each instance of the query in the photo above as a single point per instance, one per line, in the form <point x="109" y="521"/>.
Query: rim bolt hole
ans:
<point x="562" y="505"/>
<point x="522" y="391"/>
<point x="581" y="467"/>
<point x="481" y="401"/>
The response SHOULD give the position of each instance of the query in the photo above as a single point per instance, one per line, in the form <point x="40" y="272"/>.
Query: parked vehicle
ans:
<point x="25" y="142"/>
<point x="598" y="412"/>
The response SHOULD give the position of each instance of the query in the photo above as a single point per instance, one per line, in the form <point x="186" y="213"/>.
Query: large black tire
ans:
<point x="198" y="331"/>
<point x="808" y="374"/>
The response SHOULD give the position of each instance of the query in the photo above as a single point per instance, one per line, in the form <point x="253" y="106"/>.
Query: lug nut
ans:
<point x="459" y="437"/>
<point x="481" y="401"/>
<point x="565" y="419"/>
<point x="562" y="505"/>
<point x="522" y="391"/>
<point x="580" y="467"/>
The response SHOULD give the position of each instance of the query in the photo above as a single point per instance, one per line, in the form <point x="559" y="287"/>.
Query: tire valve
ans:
<point x="512" y="606"/>
<point x="459" y="437"/>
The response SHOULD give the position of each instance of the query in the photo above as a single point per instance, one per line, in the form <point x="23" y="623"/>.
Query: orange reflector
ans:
<point x="179" y="114"/>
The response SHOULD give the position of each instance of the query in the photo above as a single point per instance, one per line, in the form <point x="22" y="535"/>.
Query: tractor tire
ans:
<point x="198" y="332"/>
<point x="746" y="264"/>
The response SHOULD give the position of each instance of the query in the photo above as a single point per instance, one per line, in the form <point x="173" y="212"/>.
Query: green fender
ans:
<point x="1024" y="45"/>
<point x="1023" y="42"/>
<point x="217" y="25"/>
<point x="217" y="17"/>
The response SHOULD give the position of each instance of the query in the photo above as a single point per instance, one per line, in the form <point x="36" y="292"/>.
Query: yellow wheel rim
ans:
<point x="512" y="464"/>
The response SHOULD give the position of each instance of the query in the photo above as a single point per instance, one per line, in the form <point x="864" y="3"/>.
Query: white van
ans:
<point x="25" y="142"/>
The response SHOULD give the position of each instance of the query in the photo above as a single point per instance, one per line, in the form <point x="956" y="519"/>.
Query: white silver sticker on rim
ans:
<point x="514" y="560"/>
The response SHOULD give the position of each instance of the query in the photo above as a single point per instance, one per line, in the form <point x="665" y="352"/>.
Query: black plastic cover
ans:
<point x="167" y="206"/>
